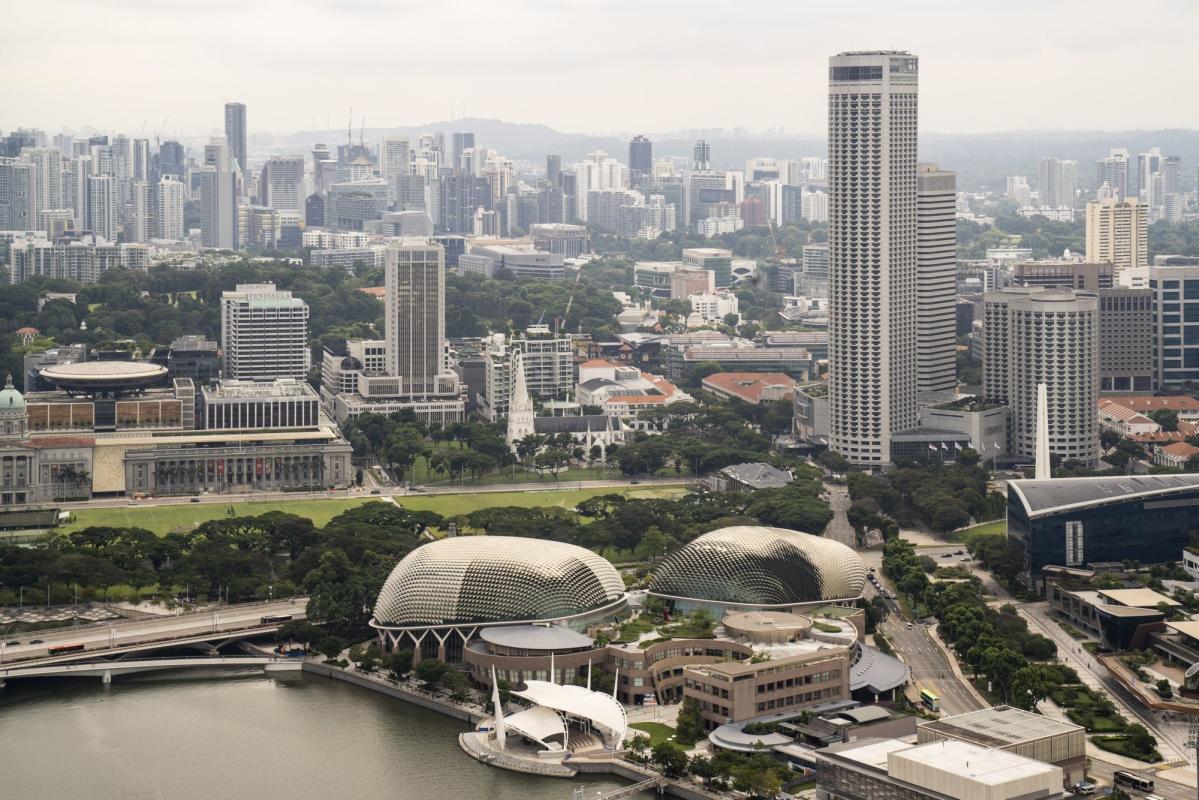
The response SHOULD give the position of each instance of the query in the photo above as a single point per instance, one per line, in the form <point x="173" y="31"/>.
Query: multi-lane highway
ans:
<point x="131" y="632"/>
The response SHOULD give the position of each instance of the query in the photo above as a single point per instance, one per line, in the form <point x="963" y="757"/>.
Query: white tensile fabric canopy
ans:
<point x="538" y="723"/>
<point x="600" y="709"/>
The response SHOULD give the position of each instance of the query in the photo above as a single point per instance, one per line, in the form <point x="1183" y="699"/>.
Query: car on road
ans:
<point x="958" y="552"/>
<point x="1084" y="788"/>
<point x="36" y="641"/>
<point x="194" y="500"/>
<point x="634" y="481"/>
<point x="946" y="555"/>
<point x="376" y="491"/>
<point x="908" y="625"/>
<point x="872" y="570"/>
<point x="12" y="643"/>
<point x="965" y="558"/>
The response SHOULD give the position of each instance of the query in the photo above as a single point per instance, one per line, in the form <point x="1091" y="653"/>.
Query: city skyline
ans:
<point x="990" y="69"/>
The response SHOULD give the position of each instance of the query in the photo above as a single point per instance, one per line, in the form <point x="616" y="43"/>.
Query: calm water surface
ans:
<point x="241" y="737"/>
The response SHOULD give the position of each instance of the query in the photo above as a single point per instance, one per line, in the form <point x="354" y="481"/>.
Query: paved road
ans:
<point x="839" y="528"/>
<point x="930" y="667"/>
<point x="539" y="486"/>
<point x="138" y="631"/>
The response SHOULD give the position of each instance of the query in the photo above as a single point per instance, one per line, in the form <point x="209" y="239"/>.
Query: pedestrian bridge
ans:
<point x="105" y="670"/>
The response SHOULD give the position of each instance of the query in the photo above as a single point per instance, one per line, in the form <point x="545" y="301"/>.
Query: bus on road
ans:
<point x="1133" y="781"/>
<point x="930" y="700"/>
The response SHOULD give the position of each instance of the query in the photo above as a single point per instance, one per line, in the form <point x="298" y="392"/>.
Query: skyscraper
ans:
<point x="1057" y="183"/>
<point x="1038" y="335"/>
<point x="282" y="183"/>
<point x="218" y="197"/>
<point x="1118" y="234"/>
<point x="702" y="155"/>
<point x="936" y="280"/>
<point x="872" y="126"/>
<point x="1113" y="170"/>
<point x="48" y="161"/>
<point x="169" y="216"/>
<point x="235" y="133"/>
<point x="396" y="162"/>
<point x="641" y="159"/>
<point x="462" y="141"/>
<point x="102" y="206"/>
<point x="18" y="195"/>
<point x="553" y="170"/>
<point x="414" y="317"/>
<point x="264" y="333"/>
<point x="172" y="160"/>
<point x="139" y="225"/>
<point x="1148" y="163"/>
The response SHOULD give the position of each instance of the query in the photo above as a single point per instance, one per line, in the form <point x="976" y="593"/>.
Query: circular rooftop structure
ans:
<point x="761" y="567"/>
<point x="104" y="377"/>
<point x="768" y="626"/>
<point x="536" y="637"/>
<point x="496" y="579"/>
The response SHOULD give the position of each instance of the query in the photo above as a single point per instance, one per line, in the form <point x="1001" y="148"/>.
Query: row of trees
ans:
<point x="942" y="496"/>
<point x="996" y="644"/>
<point x="757" y="775"/>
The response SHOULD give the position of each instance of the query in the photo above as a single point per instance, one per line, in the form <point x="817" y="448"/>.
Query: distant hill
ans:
<point x="981" y="160"/>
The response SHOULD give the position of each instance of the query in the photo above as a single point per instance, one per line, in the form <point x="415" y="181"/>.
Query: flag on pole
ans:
<point x="932" y="447"/>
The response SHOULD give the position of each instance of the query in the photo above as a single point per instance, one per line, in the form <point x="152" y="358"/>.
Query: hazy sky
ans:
<point x="588" y="66"/>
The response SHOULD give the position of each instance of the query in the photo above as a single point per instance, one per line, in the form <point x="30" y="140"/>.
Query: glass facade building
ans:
<point x="1072" y="522"/>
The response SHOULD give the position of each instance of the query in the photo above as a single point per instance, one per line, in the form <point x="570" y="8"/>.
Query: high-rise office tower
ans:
<point x="414" y="317"/>
<point x="1057" y="183"/>
<point x="74" y="187"/>
<point x="701" y="155"/>
<point x="264" y="333"/>
<point x="102" y="206"/>
<point x="1147" y="163"/>
<point x="936" y="280"/>
<point x="169" y="208"/>
<point x="281" y="185"/>
<point x="18" y="195"/>
<point x="461" y="141"/>
<point x="1118" y="234"/>
<point x="172" y="160"/>
<point x="141" y="159"/>
<point x="396" y="162"/>
<point x="1113" y="170"/>
<point x="218" y="197"/>
<point x="1175" y="287"/>
<point x="553" y="170"/>
<point x="641" y="159"/>
<point x="872" y="179"/>
<point x="48" y="185"/>
<point x="139" y="226"/>
<point x="1036" y="335"/>
<point x="235" y="133"/>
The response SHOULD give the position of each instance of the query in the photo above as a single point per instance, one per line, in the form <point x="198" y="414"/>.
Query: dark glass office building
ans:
<point x="1073" y="522"/>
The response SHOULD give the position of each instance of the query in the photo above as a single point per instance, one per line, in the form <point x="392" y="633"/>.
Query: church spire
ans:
<point x="520" y="405"/>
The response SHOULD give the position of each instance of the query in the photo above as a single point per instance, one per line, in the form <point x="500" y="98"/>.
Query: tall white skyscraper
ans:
<point x="48" y="161"/>
<point x="396" y="161"/>
<point x="74" y="186"/>
<point x="218" y="197"/>
<point x="264" y="333"/>
<point x="1038" y="335"/>
<point x="1113" y="170"/>
<point x="102" y="206"/>
<point x="139" y="227"/>
<point x="1117" y="234"/>
<point x="169" y="216"/>
<point x="1057" y="183"/>
<point x="872" y="127"/>
<point x="936" y="281"/>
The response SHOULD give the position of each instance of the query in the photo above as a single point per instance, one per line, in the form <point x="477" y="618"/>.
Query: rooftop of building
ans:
<point x="731" y="670"/>
<point x="536" y="637"/>
<point x="758" y="475"/>
<point x="750" y="385"/>
<point x="1001" y="726"/>
<point x="1146" y="403"/>
<point x="970" y="403"/>
<point x="262" y="390"/>
<point x="1136" y="598"/>
<point x="1059" y="494"/>
<point x="1183" y="451"/>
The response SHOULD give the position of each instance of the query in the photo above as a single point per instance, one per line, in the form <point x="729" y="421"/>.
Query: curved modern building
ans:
<point x="440" y="594"/>
<point x="746" y="566"/>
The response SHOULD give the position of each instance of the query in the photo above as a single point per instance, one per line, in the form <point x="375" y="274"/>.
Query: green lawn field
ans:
<point x="166" y="518"/>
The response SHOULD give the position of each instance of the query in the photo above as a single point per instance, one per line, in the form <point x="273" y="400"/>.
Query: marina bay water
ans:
<point x="212" y="737"/>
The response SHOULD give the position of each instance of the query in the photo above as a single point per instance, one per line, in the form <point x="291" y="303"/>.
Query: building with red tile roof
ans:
<point x="750" y="387"/>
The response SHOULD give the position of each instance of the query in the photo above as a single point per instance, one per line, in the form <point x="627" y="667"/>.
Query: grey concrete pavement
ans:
<point x="839" y="528"/>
